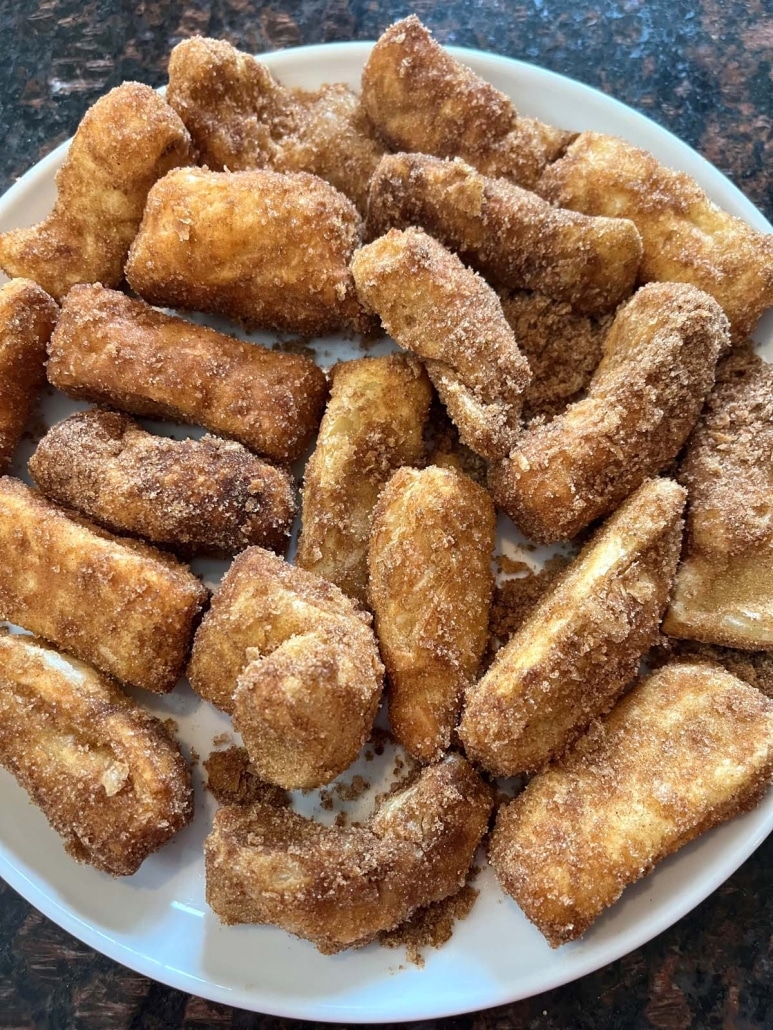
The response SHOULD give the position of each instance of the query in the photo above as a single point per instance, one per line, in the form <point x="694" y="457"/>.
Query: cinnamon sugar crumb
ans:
<point x="430" y="927"/>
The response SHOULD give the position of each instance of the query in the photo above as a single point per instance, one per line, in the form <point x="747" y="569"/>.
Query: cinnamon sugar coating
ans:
<point x="434" y="306"/>
<point x="268" y="250"/>
<point x="430" y="589"/>
<point x="373" y="424"/>
<point x="724" y="590"/>
<point x="570" y="660"/>
<point x="130" y="138"/>
<point x="296" y="663"/>
<point x="511" y="236"/>
<point x="119" y="604"/>
<point x="686" y="237"/>
<point x="658" y="366"/>
<point x="117" y="351"/>
<point x="106" y="774"/>
<point x="688" y="748"/>
<point x="421" y="99"/>
<point x="208" y="496"/>
<point x="240" y="117"/>
<point x="340" y="887"/>
<point x="27" y="318"/>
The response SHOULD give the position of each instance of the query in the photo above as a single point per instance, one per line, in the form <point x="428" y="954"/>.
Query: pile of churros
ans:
<point x="572" y="326"/>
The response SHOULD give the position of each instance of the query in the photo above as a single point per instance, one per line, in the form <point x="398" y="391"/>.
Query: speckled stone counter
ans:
<point x="702" y="70"/>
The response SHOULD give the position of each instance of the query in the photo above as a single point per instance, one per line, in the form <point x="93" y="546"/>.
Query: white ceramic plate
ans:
<point x="157" y="921"/>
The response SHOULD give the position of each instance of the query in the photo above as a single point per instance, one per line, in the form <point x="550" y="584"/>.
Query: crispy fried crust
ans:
<point x="297" y="664"/>
<point x="265" y="249"/>
<point x="687" y="238"/>
<point x="27" y="319"/>
<point x="240" y="117"/>
<point x="688" y="748"/>
<point x="114" y="350"/>
<point x="508" y="234"/>
<point x="578" y="649"/>
<point x="430" y="589"/>
<point x="194" y="496"/>
<point x="340" y="887"/>
<point x="126" y="141"/>
<point x="119" y="604"/>
<point x="724" y="590"/>
<point x="658" y="366"/>
<point x="373" y="424"/>
<point x="447" y="315"/>
<point x="421" y="99"/>
<point x="107" y="775"/>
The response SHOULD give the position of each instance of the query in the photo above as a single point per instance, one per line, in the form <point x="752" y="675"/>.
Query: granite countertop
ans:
<point x="702" y="70"/>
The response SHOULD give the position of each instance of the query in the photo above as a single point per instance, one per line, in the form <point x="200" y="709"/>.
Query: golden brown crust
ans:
<point x="372" y="425"/>
<point x="125" y="142"/>
<point x="107" y="775"/>
<point x="430" y="589"/>
<point x="688" y="748"/>
<point x="658" y="366"/>
<point x="268" y="250"/>
<point x="208" y="496"/>
<point x="724" y="590"/>
<point x="114" y="350"/>
<point x="511" y="236"/>
<point x="119" y="604"/>
<point x="296" y="662"/>
<point x="753" y="667"/>
<point x="240" y="117"/>
<point x="571" y="659"/>
<point x="447" y="315"/>
<point x="340" y="887"/>
<point x="686" y="237"/>
<point x="422" y="99"/>
<point x="27" y="319"/>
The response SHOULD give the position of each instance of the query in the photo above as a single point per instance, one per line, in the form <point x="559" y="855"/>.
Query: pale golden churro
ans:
<point x="130" y="138"/>
<point x="107" y="775"/>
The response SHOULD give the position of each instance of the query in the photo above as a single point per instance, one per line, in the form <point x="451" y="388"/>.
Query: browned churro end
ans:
<point x="106" y="774"/>
<point x="121" y="605"/>
<point x="27" y="318"/>
<point x="207" y="496"/>
<point x="373" y="424"/>
<point x="510" y="235"/>
<point x="114" y="350"/>
<point x="434" y="306"/>
<point x="268" y="250"/>
<point x="130" y="138"/>
<point x="690" y="747"/>
<point x="430" y="589"/>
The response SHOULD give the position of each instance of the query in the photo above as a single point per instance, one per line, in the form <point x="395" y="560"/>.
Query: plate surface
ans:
<point x="157" y="921"/>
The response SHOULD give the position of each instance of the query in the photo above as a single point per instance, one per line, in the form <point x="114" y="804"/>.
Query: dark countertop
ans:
<point x="701" y="69"/>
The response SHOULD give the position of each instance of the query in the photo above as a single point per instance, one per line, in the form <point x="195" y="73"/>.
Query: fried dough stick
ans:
<point x="106" y="774"/>
<point x="658" y="366"/>
<point x="338" y="888"/>
<point x="373" y="424"/>
<point x="240" y="117"/>
<point x="296" y="663"/>
<point x="446" y="314"/>
<point x="690" y="747"/>
<point x="430" y="589"/>
<point x="206" y="496"/>
<point x="422" y="99"/>
<point x="724" y="589"/>
<point x="130" y="138"/>
<point x="572" y="657"/>
<point x="687" y="238"/>
<point x="118" y="604"/>
<point x="27" y="319"/>
<point x="270" y="251"/>
<point x="117" y="351"/>
<point x="506" y="233"/>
